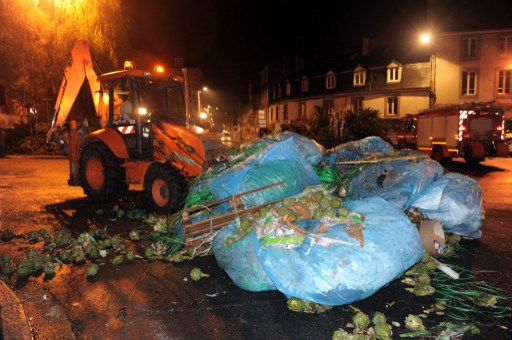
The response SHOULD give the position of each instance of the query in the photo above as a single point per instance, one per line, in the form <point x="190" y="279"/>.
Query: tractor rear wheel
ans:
<point x="165" y="188"/>
<point x="101" y="175"/>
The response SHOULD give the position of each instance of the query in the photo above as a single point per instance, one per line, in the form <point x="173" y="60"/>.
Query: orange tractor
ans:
<point x="129" y="127"/>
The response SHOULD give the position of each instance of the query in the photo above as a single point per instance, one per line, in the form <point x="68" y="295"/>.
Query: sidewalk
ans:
<point x="13" y="321"/>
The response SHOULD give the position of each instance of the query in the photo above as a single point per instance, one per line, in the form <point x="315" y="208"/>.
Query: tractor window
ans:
<point x="163" y="100"/>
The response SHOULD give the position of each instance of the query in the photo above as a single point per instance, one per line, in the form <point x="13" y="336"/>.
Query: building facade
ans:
<point x="397" y="79"/>
<point x="474" y="66"/>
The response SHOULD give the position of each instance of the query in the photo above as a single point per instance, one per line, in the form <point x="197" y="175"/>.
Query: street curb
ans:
<point x="13" y="321"/>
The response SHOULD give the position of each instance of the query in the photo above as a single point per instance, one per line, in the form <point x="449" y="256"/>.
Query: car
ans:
<point x="225" y="136"/>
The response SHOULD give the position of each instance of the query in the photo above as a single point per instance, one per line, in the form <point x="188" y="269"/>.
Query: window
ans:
<point x="328" y="105"/>
<point x="288" y="88"/>
<point x="178" y="62"/>
<point x="359" y="76"/>
<point x="468" y="83"/>
<point x="273" y="93"/>
<point x="285" y="112"/>
<point x="277" y="113"/>
<point x="330" y="80"/>
<point x="504" y="81"/>
<point x="279" y="90"/>
<point x="357" y="103"/>
<point x="394" y="72"/>
<point x="304" y="84"/>
<point x="302" y="110"/>
<point x="392" y="106"/>
<point x="469" y="48"/>
<point x="505" y="44"/>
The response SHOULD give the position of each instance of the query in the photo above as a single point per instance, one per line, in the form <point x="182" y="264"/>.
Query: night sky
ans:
<point x="231" y="40"/>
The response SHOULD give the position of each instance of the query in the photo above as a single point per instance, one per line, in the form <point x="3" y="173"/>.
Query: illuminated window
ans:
<point x="330" y="80"/>
<point x="302" y="110"/>
<point x="504" y="81"/>
<point x="359" y="76"/>
<point x="469" y="48"/>
<point x="304" y="84"/>
<point x="468" y="83"/>
<point x="392" y="106"/>
<point x="288" y="88"/>
<point x="394" y="72"/>
<point x="505" y="44"/>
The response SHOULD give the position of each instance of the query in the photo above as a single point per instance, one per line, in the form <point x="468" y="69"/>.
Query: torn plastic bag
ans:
<point x="281" y="161"/>
<point x="333" y="268"/>
<point x="456" y="201"/>
<point x="399" y="181"/>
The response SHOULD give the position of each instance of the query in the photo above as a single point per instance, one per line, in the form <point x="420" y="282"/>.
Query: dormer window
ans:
<point x="359" y="76"/>
<point x="330" y="80"/>
<point x="304" y="84"/>
<point x="394" y="72"/>
<point x="288" y="88"/>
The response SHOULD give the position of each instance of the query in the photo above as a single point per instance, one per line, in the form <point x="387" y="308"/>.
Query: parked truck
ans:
<point x="472" y="131"/>
<point x="136" y="132"/>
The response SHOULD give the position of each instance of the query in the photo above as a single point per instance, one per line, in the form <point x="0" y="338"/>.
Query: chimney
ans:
<point x="366" y="46"/>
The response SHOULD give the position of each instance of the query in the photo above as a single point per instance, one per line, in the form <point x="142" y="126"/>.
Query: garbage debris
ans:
<point x="329" y="242"/>
<point x="456" y="201"/>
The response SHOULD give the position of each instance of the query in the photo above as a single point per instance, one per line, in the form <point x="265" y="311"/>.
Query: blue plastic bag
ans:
<point x="281" y="161"/>
<point x="399" y="181"/>
<point x="356" y="150"/>
<point x="333" y="269"/>
<point x="239" y="261"/>
<point x="456" y="201"/>
<point x="310" y="149"/>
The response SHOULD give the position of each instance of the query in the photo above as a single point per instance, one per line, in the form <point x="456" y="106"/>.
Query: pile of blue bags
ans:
<point x="322" y="251"/>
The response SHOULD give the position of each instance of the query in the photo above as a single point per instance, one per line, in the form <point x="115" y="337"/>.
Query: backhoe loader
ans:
<point x="137" y="132"/>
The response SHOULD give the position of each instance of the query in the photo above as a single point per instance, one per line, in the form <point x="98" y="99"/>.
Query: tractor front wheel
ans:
<point x="101" y="175"/>
<point x="165" y="188"/>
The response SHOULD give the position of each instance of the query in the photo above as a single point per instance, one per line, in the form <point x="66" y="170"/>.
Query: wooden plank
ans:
<point x="237" y="198"/>
<point x="217" y="222"/>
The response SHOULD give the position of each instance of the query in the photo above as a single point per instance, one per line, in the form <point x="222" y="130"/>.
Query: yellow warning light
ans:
<point x="159" y="69"/>
<point x="129" y="65"/>
<point x="143" y="111"/>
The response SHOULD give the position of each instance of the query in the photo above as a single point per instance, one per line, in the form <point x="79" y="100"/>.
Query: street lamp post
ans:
<point x="426" y="39"/>
<point x="199" y="99"/>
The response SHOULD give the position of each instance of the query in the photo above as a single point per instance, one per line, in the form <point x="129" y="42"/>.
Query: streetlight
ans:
<point x="426" y="39"/>
<point x="199" y="111"/>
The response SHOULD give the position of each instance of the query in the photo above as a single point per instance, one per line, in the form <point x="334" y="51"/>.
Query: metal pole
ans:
<point x="198" y="102"/>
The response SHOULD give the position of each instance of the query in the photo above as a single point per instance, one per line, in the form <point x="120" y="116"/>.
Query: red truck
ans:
<point x="472" y="131"/>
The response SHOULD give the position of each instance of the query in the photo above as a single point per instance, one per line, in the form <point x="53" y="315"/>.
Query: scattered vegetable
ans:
<point x="196" y="274"/>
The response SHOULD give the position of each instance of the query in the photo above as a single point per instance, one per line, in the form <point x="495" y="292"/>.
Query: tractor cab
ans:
<point x="135" y="98"/>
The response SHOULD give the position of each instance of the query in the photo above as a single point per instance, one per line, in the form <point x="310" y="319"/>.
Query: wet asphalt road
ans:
<point x="155" y="300"/>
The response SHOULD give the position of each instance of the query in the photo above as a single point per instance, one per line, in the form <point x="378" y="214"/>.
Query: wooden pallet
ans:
<point x="195" y="232"/>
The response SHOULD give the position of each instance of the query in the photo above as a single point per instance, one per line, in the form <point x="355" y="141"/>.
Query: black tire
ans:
<point x="437" y="154"/>
<point x="101" y="175"/>
<point x="165" y="188"/>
